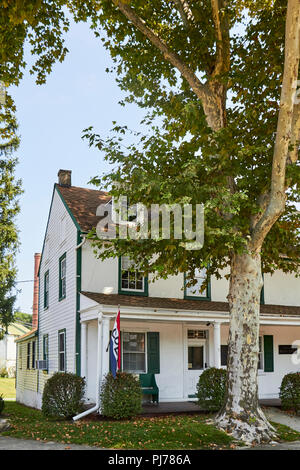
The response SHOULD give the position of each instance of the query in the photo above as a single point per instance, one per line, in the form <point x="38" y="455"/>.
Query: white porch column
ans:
<point x="105" y="351"/>
<point x="217" y="345"/>
<point x="83" y="349"/>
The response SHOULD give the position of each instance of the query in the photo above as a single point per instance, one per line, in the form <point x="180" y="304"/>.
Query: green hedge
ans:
<point x="63" y="395"/>
<point x="290" y="392"/>
<point x="211" y="389"/>
<point x="121" y="397"/>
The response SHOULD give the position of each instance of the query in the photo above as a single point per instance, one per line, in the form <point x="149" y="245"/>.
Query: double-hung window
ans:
<point x="62" y="351"/>
<point x="197" y="290"/>
<point x="131" y="278"/>
<point x="62" y="276"/>
<point x="134" y="352"/>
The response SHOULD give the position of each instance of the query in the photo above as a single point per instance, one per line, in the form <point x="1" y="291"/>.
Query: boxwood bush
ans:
<point x="63" y="395"/>
<point x="121" y="397"/>
<point x="211" y="389"/>
<point x="290" y="392"/>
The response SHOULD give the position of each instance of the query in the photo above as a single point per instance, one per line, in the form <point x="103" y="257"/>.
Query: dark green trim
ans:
<point x="60" y="296"/>
<point x="192" y="396"/>
<point x="195" y="297"/>
<point x="153" y="353"/>
<point x="33" y="356"/>
<point x="63" y="330"/>
<point x="78" y="290"/>
<point x="262" y="292"/>
<point x="143" y="293"/>
<point x="268" y="353"/>
<point x="46" y="297"/>
<point x="28" y="356"/>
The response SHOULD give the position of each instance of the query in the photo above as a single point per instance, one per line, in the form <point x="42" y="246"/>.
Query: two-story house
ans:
<point x="167" y="328"/>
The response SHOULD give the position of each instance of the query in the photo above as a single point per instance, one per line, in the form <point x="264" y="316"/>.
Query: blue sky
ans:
<point x="51" y="117"/>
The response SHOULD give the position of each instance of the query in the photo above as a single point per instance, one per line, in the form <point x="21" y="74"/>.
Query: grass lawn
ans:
<point x="172" y="432"/>
<point x="7" y="388"/>
<point x="159" y="433"/>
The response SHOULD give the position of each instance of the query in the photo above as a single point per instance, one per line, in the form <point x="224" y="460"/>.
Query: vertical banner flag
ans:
<point x="115" y="347"/>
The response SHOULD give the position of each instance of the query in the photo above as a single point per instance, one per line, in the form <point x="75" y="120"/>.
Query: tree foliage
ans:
<point x="10" y="189"/>
<point x="180" y="158"/>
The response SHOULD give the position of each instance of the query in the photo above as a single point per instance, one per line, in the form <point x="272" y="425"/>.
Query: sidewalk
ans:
<point x="11" y="443"/>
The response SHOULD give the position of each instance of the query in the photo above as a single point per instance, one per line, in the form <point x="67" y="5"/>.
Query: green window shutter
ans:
<point x="268" y="353"/>
<point x="153" y="352"/>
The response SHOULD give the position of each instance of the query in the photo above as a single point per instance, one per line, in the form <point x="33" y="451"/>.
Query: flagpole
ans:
<point x="114" y="317"/>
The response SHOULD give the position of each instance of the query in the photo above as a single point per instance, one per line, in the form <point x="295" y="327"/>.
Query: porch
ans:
<point x="190" y="407"/>
<point x="177" y="345"/>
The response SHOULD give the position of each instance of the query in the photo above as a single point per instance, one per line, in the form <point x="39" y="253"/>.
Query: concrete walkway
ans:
<point x="278" y="416"/>
<point x="11" y="443"/>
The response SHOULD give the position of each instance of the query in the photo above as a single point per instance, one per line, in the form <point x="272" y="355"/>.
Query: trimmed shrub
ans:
<point x="211" y="389"/>
<point x="290" y="392"/>
<point x="2" y="404"/>
<point x="121" y="397"/>
<point x="63" y="395"/>
<point x="3" y="373"/>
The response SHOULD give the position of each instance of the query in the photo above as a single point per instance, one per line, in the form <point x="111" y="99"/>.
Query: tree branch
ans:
<point x="185" y="12"/>
<point x="222" y="37"/>
<point x="204" y="93"/>
<point x="287" y="127"/>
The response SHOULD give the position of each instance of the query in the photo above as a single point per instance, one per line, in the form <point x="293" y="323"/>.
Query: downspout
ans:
<point x="98" y="373"/>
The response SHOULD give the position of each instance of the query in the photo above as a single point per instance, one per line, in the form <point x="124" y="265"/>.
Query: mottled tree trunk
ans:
<point x="241" y="414"/>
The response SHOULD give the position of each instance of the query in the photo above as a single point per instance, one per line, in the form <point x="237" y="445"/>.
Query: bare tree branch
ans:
<point x="288" y="121"/>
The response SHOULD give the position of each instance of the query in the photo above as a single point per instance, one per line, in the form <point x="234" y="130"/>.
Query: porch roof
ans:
<point x="184" y="304"/>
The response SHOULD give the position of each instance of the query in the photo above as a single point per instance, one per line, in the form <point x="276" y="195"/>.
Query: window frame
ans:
<point x="33" y="355"/>
<point x="128" y="291"/>
<point x="46" y="292"/>
<point x="189" y="296"/>
<point x="61" y="279"/>
<point x="261" y="356"/>
<point x="145" y="352"/>
<point x="28" y="355"/>
<point x="46" y="350"/>
<point x="64" y="352"/>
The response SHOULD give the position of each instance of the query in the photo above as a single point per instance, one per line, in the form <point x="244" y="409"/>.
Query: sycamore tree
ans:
<point x="218" y="82"/>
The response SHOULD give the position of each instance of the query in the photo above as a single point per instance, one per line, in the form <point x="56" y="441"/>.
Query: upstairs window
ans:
<point x="131" y="278"/>
<point x="62" y="276"/>
<point x="197" y="290"/>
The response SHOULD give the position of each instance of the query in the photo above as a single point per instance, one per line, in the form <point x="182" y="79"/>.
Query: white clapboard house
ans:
<point x="167" y="329"/>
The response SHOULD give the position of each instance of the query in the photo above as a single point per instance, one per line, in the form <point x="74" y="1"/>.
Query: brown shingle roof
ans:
<point x="83" y="204"/>
<point x="182" y="304"/>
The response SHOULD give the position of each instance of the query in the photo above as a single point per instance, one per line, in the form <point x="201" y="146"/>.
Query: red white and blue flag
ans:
<point x="115" y="347"/>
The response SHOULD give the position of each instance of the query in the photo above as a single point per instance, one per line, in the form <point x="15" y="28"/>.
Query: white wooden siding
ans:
<point x="60" y="314"/>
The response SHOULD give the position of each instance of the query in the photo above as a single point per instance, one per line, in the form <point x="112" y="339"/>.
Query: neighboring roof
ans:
<point x="27" y="335"/>
<point x="17" y="329"/>
<point x="182" y="304"/>
<point x="83" y="203"/>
